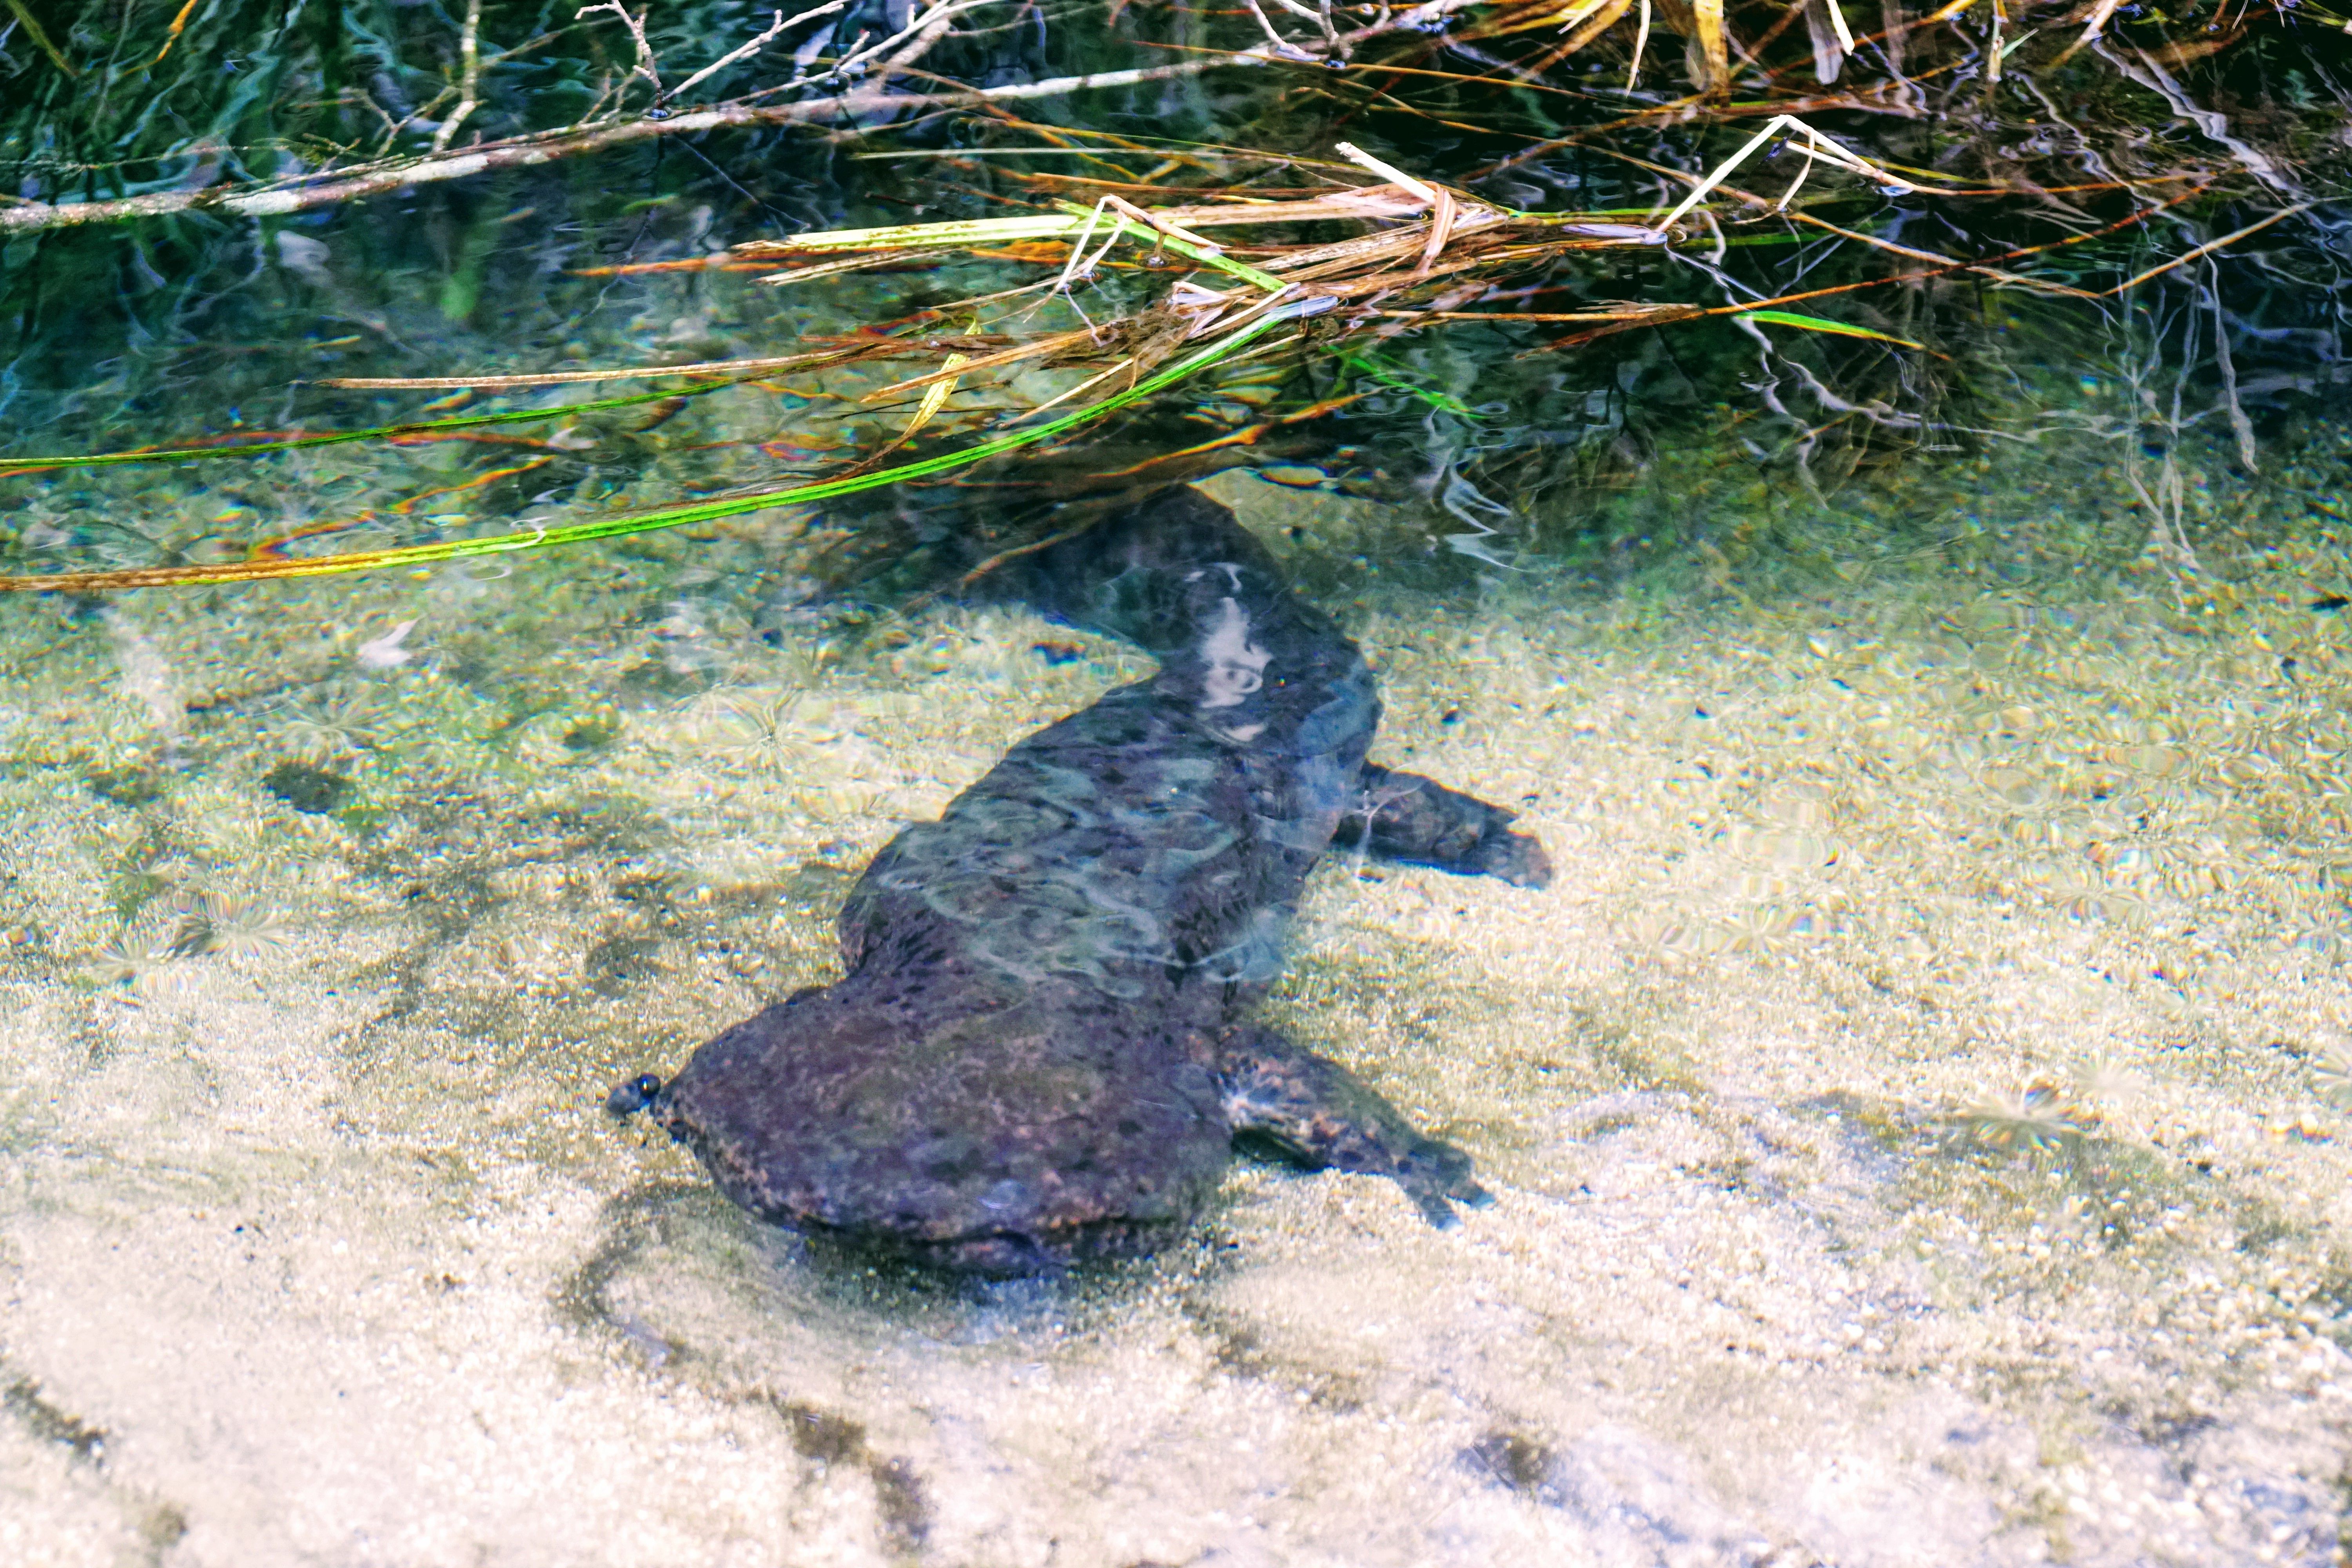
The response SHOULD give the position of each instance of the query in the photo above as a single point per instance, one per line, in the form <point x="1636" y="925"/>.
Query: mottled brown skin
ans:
<point x="1041" y="1050"/>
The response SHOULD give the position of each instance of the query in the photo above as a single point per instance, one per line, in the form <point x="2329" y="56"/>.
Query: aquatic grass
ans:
<point x="1458" y="237"/>
<point x="132" y="964"/>
<point x="663" y="518"/>
<point x="336" y="722"/>
<point x="263" y="443"/>
<point x="2039" y="1118"/>
<point x="1159" y="230"/>
<point x="780" y="733"/>
<point x="2331" y="1079"/>
<point x="212" y="921"/>
<point x="1436" y="253"/>
<point x="1380" y="374"/>
<point x="1836" y="328"/>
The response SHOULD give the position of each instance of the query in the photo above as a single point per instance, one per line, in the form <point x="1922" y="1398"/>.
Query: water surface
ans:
<point x="1916" y="1111"/>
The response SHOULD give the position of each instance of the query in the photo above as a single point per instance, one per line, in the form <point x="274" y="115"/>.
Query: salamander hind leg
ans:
<point x="1317" y="1113"/>
<point x="1404" y="817"/>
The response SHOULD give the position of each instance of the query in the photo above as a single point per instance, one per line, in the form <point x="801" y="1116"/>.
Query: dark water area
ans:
<point x="1908" y="610"/>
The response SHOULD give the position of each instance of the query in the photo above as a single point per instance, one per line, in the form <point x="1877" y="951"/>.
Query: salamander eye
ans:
<point x="628" y="1099"/>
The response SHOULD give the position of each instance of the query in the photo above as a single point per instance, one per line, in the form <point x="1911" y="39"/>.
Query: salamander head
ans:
<point x="1050" y="1126"/>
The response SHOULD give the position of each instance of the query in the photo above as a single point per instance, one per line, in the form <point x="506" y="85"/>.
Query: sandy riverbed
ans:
<point x="1910" y="1111"/>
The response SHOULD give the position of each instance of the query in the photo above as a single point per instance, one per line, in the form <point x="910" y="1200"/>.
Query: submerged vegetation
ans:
<point x="1815" y="225"/>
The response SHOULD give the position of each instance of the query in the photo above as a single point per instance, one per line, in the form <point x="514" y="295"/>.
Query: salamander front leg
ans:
<point x="1407" y="817"/>
<point x="1316" y="1113"/>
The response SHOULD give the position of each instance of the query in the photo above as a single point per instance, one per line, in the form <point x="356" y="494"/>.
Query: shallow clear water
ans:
<point x="1916" y="1111"/>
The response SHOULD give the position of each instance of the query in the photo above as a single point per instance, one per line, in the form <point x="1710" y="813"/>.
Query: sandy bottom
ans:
<point x="1918" y="1114"/>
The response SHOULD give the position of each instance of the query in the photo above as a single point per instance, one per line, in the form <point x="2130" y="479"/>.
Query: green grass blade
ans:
<point x="1226" y="264"/>
<point x="925" y="236"/>
<point x="40" y="40"/>
<point x="1143" y="234"/>
<point x="1374" y="370"/>
<point x="1817" y="324"/>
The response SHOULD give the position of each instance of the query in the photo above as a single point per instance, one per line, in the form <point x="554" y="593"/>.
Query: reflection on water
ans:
<point x="1917" y="1111"/>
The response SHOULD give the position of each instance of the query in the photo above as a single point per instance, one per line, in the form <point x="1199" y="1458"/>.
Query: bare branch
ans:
<point x="1280" y="45"/>
<point x="326" y="187"/>
<point x="753" y="47"/>
<point x="637" y="31"/>
<point x="924" y="29"/>
<point x="469" y="49"/>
